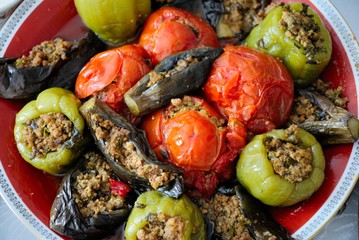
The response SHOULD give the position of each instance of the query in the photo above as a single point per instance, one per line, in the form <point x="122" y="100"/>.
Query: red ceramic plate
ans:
<point x="30" y="192"/>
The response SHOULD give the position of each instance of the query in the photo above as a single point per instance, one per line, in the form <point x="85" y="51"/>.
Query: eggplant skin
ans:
<point x="25" y="83"/>
<point x="66" y="219"/>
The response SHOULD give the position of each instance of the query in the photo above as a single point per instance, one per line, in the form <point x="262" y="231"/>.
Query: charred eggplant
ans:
<point x="128" y="152"/>
<point x="88" y="203"/>
<point x="175" y="76"/>
<point x="46" y="67"/>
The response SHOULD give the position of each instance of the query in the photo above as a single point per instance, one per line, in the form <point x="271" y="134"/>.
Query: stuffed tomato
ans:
<point x="190" y="134"/>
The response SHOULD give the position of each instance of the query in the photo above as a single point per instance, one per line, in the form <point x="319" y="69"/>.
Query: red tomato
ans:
<point x="119" y="188"/>
<point x="251" y="87"/>
<point x="194" y="139"/>
<point x="111" y="73"/>
<point x="170" y="30"/>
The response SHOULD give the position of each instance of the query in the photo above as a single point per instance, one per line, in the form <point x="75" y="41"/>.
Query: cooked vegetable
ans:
<point x="87" y="204"/>
<point x="109" y="74"/>
<point x="252" y="87"/>
<point x="171" y="30"/>
<point x="282" y="167"/>
<point x="49" y="131"/>
<point x="175" y="76"/>
<point x="155" y="216"/>
<point x="234" y="19"/>
<point x="329" y="123"/>
<point x="54" y="63"/>
<point x="115" y="22"/>
<point x="192" y="135"/>
<point x="128" y="152"/>
<point x="294" y="33"/>
<point x="235" y="214"/>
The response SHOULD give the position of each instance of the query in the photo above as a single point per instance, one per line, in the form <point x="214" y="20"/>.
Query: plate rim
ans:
<point x="330" y="207"/>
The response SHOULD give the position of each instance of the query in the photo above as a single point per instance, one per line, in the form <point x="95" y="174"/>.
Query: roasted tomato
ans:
<point x="109" y="74"/>
<point x="192" y="135"/>
<point x="170" y="30"/>
<point x="250" y="87"/>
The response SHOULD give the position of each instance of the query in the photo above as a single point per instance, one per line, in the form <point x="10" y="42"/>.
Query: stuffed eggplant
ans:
<point x="234" y="214"/>
<point x="49" y="131"/>
<point x="156" y="216"/>
<point x="53" y="63"/>
<point x="128" y="152"/>
<point x="175" y="76"/>
<point x="91" y="202"/>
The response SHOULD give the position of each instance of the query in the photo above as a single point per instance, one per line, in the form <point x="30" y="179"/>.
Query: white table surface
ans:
<point x="344" y="226"/>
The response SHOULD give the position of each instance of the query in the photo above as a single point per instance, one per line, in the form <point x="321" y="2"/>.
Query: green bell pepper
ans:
<point x="114" y="21"/>
<point x="52" y="100"/>
<point x="256" y="173"/>
<point x="154" y="203"/>
<point x="295" y="34"/>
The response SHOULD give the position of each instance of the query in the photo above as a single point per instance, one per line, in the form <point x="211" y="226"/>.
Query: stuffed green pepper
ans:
<point x="295" y="34"/>
<point x="49" y="131"/>
<point x="282" y="167"/>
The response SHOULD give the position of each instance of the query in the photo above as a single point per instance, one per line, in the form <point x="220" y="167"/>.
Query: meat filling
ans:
<point x="300" y="26"/>
<point x="120" y="147"/>
<point x="91" y="189"/>
<point x="225" y="212"/>
<point x="289" y="159"/>
<point x="46" y="53"/>
<point x="162" y="226"/>
<point x="47" y="133"/>
<point x="181" y="64"/>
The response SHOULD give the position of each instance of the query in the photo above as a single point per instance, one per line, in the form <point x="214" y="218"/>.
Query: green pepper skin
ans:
<point x="153" y="202"/>
<point x="114" y="21"/>
<point x="256" y="174"/>
<point x="270" y="38"/>
<point x="55" y="100"/>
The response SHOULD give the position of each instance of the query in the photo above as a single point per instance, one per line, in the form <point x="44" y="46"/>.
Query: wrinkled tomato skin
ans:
<point x="111" y="73"/>
<point x="170" y="30"/>
<point x="252" y="87"/>
<point x="191" y="141"/>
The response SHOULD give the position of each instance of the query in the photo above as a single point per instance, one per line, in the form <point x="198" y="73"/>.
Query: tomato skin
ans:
<point x="170" y="30"/>
<point x="111" y="73"/>
<point x="252" y="87"/>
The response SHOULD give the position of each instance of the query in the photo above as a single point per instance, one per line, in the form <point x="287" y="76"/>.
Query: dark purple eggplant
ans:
<point x="233" y="20"/>
<point x="26" y="82"/>
<point x="177" y="75"/>
<point x="66" y="217"/>
<point x="124" y="146"/>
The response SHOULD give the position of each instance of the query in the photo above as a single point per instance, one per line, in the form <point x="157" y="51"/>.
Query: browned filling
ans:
<point x="225" y="212"/>
<point x="180" y="65"/>
<point x="162" y="226"/>
<point x="289" y="159"/>
<point x="301" y="27"/>
<point x="46" y="53"/>
<point x="189" y="103"/>
<point x="47" y="133"/>
<point x="119" y="147"/>
<point x="91" y="189"/>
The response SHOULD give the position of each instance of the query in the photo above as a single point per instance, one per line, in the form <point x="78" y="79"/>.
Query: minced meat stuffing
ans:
<point x="162" y="226"/>
<point x="123" y="151"/>
<point x="225" y="212"/>
<point x="180" y="65"/>
<point x="46" y="53"/>
<point x="301" y="27"/>
<point x="91" y="189"/>
<point x="289" y="159"/>
<point x="47" y="133"/>
<point x="188" y="103"/>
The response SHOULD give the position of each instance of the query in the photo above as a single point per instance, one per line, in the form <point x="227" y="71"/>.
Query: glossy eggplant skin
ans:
<point x="66" y="218"/>
<point x="24" y="83"/>
<point x="143" y="99"/>
<point x="137" y="137"/>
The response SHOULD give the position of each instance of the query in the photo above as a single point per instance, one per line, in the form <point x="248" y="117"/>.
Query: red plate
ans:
<point x="30" y="192"/>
